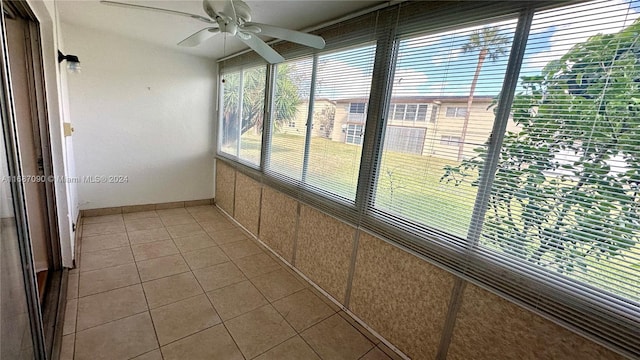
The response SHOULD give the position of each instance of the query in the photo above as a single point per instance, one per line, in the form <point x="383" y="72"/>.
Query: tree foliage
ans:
<point x="285" y="104"/>
<point x="557" y="201"/>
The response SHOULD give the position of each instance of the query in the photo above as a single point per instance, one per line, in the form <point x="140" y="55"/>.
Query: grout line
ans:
<point x="113" y="320"/>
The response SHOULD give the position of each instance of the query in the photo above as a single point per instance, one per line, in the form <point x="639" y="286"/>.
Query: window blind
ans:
<point x="290" y="111"/>
<point x="443" y="69"/>
<point x="564" y="204"/>
<point x="341" y="96"/>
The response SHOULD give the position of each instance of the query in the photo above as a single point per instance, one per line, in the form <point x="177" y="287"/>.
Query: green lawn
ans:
<point x="408" y="185"/>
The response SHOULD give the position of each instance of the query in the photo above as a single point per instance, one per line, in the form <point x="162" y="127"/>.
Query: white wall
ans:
<point x="56" y="94"/>
<point x="143" y="112"/>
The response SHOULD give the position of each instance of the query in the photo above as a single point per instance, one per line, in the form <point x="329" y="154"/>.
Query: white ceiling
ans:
<point x="167" y="30"/>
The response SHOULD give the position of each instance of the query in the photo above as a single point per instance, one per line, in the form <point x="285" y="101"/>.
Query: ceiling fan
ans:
<point x="234" y="17"/>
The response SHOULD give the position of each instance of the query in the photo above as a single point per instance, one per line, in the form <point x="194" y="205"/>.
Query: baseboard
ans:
<point x="146" y="207"/>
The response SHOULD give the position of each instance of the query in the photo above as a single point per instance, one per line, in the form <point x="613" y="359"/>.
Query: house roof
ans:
<point x="425" y="99"/>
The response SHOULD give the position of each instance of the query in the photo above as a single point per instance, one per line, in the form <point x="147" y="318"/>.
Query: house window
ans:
<point x="286" y="157"/>
<point x="434" y="114"/>
<point x="449" y="140"/>
<point x="242" y="95"/>
<point x="552" y="222"/>
<point x="398" y="113"/>
<point x="354" y="134"/>
<point x="456" y="111"/>
<point x="357" y="112"/>
<point x="356" y="108"/>
<point x="422" y="112"/>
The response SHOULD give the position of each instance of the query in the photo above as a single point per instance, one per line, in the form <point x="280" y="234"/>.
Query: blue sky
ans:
<point x="434" y="65"/>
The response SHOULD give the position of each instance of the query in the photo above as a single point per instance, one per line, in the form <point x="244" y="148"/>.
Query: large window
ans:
<point x="290" y="106"/>
<point x="408" y="184"/>
<point x="517" y="165"/>
<point x="242" y="112"/>
<point x="343" y="82"/>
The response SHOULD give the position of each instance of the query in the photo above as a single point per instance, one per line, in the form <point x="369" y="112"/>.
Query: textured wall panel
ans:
<point x="402" y="297"/>
<point x="247" y="202"/>
<point x="278" y="222"/>
<point x="324" y="251"/>
<point x="489" y="327"/>
<point x="225" y="186"/>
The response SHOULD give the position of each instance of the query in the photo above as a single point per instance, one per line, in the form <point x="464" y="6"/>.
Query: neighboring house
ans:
<point x="424" y="125"/>
<point x="323" y="118"/>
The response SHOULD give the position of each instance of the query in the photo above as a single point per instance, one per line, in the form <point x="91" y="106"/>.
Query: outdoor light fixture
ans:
<point x="73" y="63"/>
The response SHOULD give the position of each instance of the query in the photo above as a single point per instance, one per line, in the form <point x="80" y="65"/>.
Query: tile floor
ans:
<point x="186" y="283"/>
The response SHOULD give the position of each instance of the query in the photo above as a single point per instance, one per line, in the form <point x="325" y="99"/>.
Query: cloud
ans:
<point x="574" y="24"/>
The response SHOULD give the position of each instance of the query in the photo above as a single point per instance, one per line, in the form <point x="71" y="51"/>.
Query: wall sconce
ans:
<point x="73" y="63"/>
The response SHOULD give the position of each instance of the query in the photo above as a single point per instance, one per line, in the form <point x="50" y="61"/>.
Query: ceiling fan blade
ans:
<point x="166" y="11"/>
<point x="199" y="37"/>
<point x="261" y="48"/>
<point x="297" y="37"/>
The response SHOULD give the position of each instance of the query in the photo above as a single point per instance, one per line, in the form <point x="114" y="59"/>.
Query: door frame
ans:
<point x="46" y="319"/>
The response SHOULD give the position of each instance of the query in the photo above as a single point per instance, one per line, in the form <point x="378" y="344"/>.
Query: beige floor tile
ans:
<point x="103" y="228"/>
<point x="277" y="284"/>
<point x="236" y="299"/>
<point x="194" y="242"/>
<point x="116" y="304"/>
<point x="303" y="309"/>
<point x="140" y="215"/>
<point x="216" y="225"/>
<point x="171" y="289"/>
<point x="183" y="318"/>
<point x="120" y="339"/>
<point x="172" y="212"/>
<point x="182" y="219"/>
<point x="106" y="258"/>
<point x="151" y="355"/>
<point x="70" y="316"/>
<point x="213" y="343"/>
<point x="335" y="338"/>
<point x="92" y="282"/>
<point x="259" y="330"/>
<point x="102" y="219"/>
<point x="177" y="231"/>
<point x="146" y="236"/>
<point x="292" y="349"/>
<point x="67" y="347"/>
<point x="240" y="249"/>
<point x="375" y="354"/>
<point x="102" y="242"/>
<point x="143" y="224"/>
<point x="212" y="216"/>
<point x="154" y="250"/>
<point x="228" y="236"/>
<point x="72" y="286"/>
<point x="218" y="276"/>
<point x="161" y="267"/>
<point x="205" y="257"/>
<point x="256" y="265"/>
<point x="197" y="209"/>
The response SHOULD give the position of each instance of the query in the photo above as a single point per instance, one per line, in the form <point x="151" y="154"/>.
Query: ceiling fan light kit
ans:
<point x="233" y="17"/>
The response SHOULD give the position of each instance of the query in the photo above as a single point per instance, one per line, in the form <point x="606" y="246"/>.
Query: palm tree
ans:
<point x="490" y="44"/>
